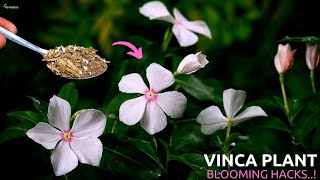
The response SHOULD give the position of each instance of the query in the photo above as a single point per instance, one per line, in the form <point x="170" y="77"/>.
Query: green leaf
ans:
<point x="12" y="132"/>
<point x="121" y="156"/>
<point x="69" y="93"/>
<point x="306" y="119"/>
<point x="304" y="126"/>
<point x="305" y="39"/>
<point x="114" y="105"/>
<point x="187" y="136"/>
<point x="149" y="148"/>
<point x="273" y="123"/>
<point x="194" y="161"/>
<point x="29" y="116"/>
<point x="200" y="90"/>
<point x="40" y="105"/>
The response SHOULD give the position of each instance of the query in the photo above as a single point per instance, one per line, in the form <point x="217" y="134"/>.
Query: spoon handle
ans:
<point x="9" y="35"/>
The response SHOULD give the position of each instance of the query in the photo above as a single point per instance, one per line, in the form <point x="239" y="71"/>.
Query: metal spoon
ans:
<point x="9" y="35"/>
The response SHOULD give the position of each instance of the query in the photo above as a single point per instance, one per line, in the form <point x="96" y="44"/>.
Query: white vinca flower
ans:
<point x="151" y="107"/>
<point x="183" y="29"/>
<point x="80" y="143"/>
<point x="192" y="63"/>
<point x="212" y="119"/>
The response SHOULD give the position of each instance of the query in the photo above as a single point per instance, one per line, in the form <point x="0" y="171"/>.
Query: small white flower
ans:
<point x="78" y="143"/>
<point x="212" y="119"/>
<point x="150" y="108"/>
<point x="192" y="63"/>
<point x="182" y="28"/>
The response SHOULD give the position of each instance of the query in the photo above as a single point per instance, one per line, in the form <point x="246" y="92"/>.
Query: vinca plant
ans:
<point x="163" y="116"/>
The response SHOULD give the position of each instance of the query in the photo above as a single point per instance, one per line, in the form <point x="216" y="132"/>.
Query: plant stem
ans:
<point x="114" y="126"/>
<point x="175" y="74"/>
<point x="65" y="177"/>
<point x="312" y="81"/>
<point x="227" y="135"/>
<point x="281" y="78"/>
<point x="228" y="128"/>
<point x="166" y="39"/>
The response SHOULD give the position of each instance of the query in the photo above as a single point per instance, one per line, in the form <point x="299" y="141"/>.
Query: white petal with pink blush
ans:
<point x="153" y="105"/>
<point x="192" y="63"/>
<point x="212" y="119"/>
<point x="81" y="143"/>
<point x="183" y="29"/>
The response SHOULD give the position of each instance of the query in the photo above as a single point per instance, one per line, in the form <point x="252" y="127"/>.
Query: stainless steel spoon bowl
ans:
<point x="9" y="35"/>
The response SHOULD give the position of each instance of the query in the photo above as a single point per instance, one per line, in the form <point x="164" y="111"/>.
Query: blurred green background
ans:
<point x="241" y="52"/>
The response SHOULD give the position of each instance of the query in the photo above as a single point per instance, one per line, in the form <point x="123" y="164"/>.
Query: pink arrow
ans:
<point x="137" y="53"/>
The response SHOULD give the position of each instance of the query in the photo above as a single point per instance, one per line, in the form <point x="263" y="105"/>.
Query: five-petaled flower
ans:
<point x="78" y="143"/>
<point x="182" y="28"/>
<point x="283" y="60"/>
<point x="212" y="119"/>
<point x="192" y="63"/>
<point x="312" y="56"/>
<point x="150" y="108"/>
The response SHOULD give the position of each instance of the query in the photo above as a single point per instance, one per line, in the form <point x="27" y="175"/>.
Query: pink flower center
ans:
<point x="151" y="95"/>
<point x="67" y="135"/>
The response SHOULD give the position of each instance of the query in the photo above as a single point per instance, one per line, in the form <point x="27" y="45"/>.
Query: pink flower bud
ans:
<point x="312" y="56"/>
<point x="284" y="58"/>
<point x="192" y="63"/>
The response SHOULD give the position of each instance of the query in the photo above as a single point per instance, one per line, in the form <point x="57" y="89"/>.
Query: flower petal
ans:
<point x="199" y="27"/>
<point x="154" y="120"/>
<point x="132" y="83"/>
<point x="196" y="26"/>
<point x="131" y="111"/>
<point x="159" y="77"/>
<point x="63" y="159"/>
<point x="89" y="123"/>
<point x="192" y="63"/>
<point x="233" y="101"/>
<point x="88" y="151"/>
<point x="172" y="103"/>
<point x="156" y="10"/>
<point x="178" y="16"/>
<point x="312" y="56"/>
<point x="250" y="112"/>
<point x="45" y="134"/>
<point x="211" y="128"/>
<point x="211" y="115"/>
<point x="59" y="112"/>
<point x="184" y="36"/>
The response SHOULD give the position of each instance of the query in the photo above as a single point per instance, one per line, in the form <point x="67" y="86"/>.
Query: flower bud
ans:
<point x="283" y="60"/>
<point x="312" y="56"/>
<point x="192" y="63"/>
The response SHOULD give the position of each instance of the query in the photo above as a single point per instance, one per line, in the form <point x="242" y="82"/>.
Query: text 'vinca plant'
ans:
<point x="80" y="143"/>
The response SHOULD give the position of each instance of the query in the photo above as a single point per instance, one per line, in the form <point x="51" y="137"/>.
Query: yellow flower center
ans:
<point x="67" y="136"/>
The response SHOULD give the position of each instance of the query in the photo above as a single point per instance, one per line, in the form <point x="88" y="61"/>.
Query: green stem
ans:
<point x="281" y="78"/>
<point x="167" y="39"/>
<point x="76" y="114"/>
<point x="312" y="81"/>
<point x="229" y="128"/>
<point x="65" y="177"/>
<point x="227" y="135"/>
<point x="175" y="74"/>
<point x="114" y="126"/>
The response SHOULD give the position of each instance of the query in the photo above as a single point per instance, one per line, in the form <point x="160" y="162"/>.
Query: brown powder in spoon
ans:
<point x="75" y="62"/>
